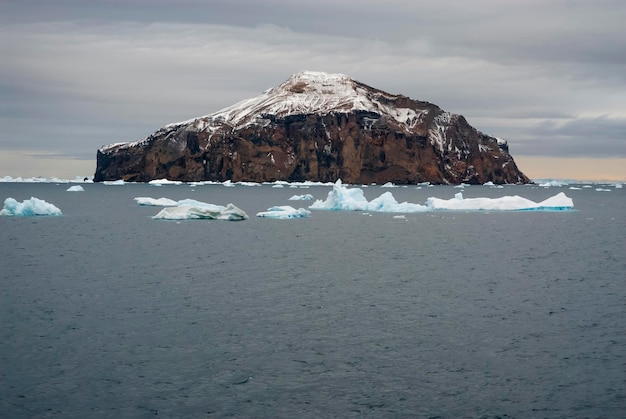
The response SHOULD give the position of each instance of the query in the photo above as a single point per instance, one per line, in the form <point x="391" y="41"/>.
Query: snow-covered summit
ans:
<point x="309" y="92"/>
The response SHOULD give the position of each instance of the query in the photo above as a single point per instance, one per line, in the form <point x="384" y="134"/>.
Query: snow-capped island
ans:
<point x="317" y="127"/>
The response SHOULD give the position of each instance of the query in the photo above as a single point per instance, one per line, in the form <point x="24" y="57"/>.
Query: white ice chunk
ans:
<point x="284" y="212"/>
<point x="29" y="207"/>
<point x="342" y="198"/>
<point x="506" y="203"/>
<point x="161" y="202"/>
<point x="206" y="212"/>
<point x="114" y="182"/>
<point x="553" y="182"/>
<point x="305" y="197"/>
<point x="75" y="188"/>
<point x="160" y="182"/>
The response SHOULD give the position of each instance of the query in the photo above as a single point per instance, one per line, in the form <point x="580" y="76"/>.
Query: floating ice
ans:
<point x="30" y="207"/>
<point x="37" y="179"/>
<point x="305" y="197"/>
<point x="114" y="182"/>
<point x="553" y="182"/>
<point x="190" y="209"/>
<point x="75" y="188"/>
<point x="603" y="190"/>
<point x="161" y="202"/>
<point x="284" y="212"/>
<point x="160" y="182"/>
<point x="558" y="202"/>
<point x="204" y="212"/>
<point x="342" y="198"/>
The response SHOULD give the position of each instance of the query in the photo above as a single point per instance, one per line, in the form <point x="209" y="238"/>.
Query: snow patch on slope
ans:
<point x="308" y="92"/>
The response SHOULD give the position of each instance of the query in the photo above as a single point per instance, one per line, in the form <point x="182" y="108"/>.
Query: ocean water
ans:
<point x="106" y="312"/>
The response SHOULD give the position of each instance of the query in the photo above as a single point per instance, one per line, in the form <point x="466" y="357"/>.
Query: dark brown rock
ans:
<point x="317" y="127"/>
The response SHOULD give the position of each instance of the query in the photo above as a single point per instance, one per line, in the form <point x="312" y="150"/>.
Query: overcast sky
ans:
<point x="549" y="76"/>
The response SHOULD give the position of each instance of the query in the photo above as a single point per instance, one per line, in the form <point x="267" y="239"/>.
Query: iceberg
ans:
<point x="342" y="198"/>
<point x="190" y="209"/>
<point x="75" y="188"/>
<point x="305" y="197"/>
<point x="114" y="182"/>
<point x="284" y="212"/>
<point x="553" y="182"/>
<point x="558" y="202"/>
<point x="30" y="207"/>
<point x="202" y="212"/>
<point x="161" y="202"/>
<point x="161" y="182"/>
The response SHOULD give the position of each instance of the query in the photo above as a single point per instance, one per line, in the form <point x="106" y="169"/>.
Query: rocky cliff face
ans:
<point x="317" y="127"/>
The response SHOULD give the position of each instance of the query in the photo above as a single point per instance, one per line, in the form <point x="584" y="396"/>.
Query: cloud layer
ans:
<point x="547" y="75"/>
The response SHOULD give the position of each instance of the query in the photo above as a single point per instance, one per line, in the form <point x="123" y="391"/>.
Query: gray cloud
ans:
<point x="588" y="137"/>
<point x="548" y="76"/>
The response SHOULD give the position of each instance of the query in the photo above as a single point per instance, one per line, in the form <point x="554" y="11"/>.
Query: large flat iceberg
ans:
<point x="342" y="198"/>
<point x="284" y="212"/>
<point x="204" y="212"/>
<point x="558" y="202"/>
<point x="190" y="209"/>
<point x="28" y="208"/>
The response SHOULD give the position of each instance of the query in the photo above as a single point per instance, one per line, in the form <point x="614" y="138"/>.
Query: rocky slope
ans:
<point x="317" y="127"/>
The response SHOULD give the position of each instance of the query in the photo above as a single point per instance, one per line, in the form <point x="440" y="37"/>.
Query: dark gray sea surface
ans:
<point x="106" y="312"/>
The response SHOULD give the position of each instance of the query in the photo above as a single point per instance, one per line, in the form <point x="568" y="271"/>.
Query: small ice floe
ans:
<point x="284" y="212"/>
<point x="553" y="182"/>
<point x="114" y="182"/>
<point x="75" y="188"/>
<point x="161" y="182"/>
<point x="28" y="208"/>
<point x="603" y="190"/>
<point x="160" y="202"/>
<point x="305" y="197"/>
